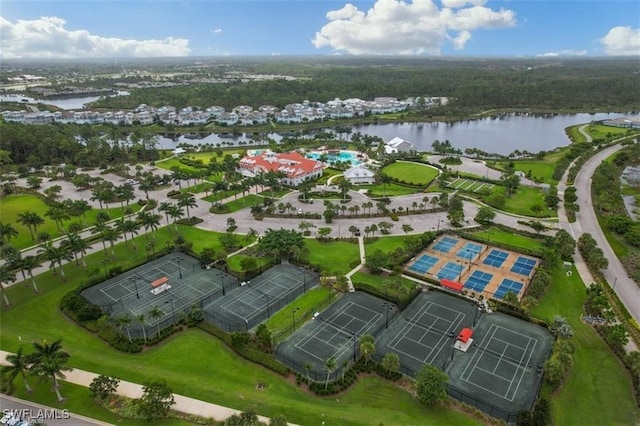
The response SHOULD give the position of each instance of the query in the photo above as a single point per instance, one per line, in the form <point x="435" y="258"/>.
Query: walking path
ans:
<point x="132" y="390"/>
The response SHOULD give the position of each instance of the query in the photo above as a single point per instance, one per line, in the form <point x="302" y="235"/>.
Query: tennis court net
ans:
<point x="428" y="328"/>
<point x="501" y="356"/>
<point x="339" y="328"/>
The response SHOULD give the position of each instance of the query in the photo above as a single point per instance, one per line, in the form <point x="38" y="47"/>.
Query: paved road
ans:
<point x="54" y="417"/>
<point x="586" y="222"/>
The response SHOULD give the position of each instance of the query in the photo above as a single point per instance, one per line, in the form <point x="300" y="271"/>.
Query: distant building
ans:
<point x="397" y="144"/>
<point x="296" y="167"/>
<point x="359" y="176"/>
<point x="630" y="123"/>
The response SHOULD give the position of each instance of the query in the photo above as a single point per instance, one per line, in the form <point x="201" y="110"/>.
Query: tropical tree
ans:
<point x="406" y="228"/>
<point x="141" y="319"/>
<point x="187" y="200"/>
<point x="31" y="220"/>
<point x="58" y="215"/>
<point x="157" y="399"/>
<point x="307" y="367"/>
<point x="7" y="232"/>
<point x="149" y="221"/>
<point x="391" y="362"/>
<point x="6" y="276"/>
<point x="330" y="364"/>
<point x="125" y="321"/>
<point x="17" y="364"/>
<point x="29" y="263"/>
<point x="155" y="314"/>
<point x="102" y="387"/>
<point x="431" y="384"/>
<point x="175" y="212"/>
<point x="48" y="362"/>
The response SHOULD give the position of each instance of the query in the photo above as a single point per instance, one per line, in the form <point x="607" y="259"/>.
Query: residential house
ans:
<point x="397" y="144"/>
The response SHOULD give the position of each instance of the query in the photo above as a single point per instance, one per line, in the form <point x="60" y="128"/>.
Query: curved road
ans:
<point x="586" y="222"/>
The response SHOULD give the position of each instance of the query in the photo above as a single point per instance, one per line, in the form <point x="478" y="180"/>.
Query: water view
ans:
<point x="503" y="135"/>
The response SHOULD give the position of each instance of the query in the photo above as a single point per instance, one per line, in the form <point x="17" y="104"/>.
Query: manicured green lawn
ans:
<point x="512" y="239"/>
<point x="524" y="199"/>
<point x="234" y="261"/>
<point x="78" y="401"/>
<point x="415" y="173"/>
<point x="540" y="170"/>
<point x="12" y="205"/>
<point x="386" y="244"/>
<point x="597" y="390"/>
<point x="381" y="282"/>
<point x="333" y="256"/>
<point x="275" y="194"/>
<point x="304" y="309"/>
<point x="388" y="190"/>
<point x="248" y="200"/>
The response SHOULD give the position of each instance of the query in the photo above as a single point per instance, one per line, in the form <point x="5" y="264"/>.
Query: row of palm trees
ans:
<point x="73" y="247"/>
<point x="47" y="362"/>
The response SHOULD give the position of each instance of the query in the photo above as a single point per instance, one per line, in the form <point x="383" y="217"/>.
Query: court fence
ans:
<point x="303" y="317"/>
<point x="460" y="395"/>
<point x="311" y="371"/>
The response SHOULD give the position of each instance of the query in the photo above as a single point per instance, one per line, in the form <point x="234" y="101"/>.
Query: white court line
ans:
<point x="402" y="335"/>
<point x="336" y="330"/>
<point x="479" y="354"/>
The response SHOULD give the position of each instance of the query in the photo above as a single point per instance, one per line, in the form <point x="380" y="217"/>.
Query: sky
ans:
<point x="48" y="29"/>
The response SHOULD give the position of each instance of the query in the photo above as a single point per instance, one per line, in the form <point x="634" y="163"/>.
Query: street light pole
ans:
<point x="353" y="335"/>
<point x="221" y="275"/>
<point x="134" y="278"/>
<point x="388" y="306"/>
<point x="614" y="282"/>
<point x="293" y="317"/>
<point x="173" y="314"/>
<point x="104" y="263"/>
<point x="268" y="305"/>
<point x="177" y="259"/>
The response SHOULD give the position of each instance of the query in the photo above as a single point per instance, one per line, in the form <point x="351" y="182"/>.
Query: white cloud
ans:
<point x="217" y="31"/>
<point x="47" y="38"/>
<point x="452" y="4"/>
<point x="412" y="27"/>
<point x="622" y="41"/>
<point x="563" y="53"/>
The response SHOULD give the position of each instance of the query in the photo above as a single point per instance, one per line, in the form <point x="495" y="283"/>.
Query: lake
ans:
<point x="501" y="135"/>
<point x="66" y="104"/>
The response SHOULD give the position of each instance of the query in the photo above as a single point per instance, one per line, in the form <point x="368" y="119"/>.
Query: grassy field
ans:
<point x="333" y="256"/>
<point x="78" y="401"/>
<point x="381" y="282"/>
<point x="541" y="170"/>
<point x="598" y="388"/>
<point x="304" y="305"/>
<point x="386" y="244"/>
<point x="225" y="378"/>
<point x="415" y="173"/>
<point x="12" y="205"/>
<point x="389" y="190"/>
<point x="499" y="236"/>
<point x="276" y="194"/>
<point x="524" y="199"/>
<point x="248" y="200"/>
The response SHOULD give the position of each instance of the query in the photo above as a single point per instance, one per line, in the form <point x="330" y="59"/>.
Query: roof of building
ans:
<point x="292" y="164"/>
<point x="358" y="172"/>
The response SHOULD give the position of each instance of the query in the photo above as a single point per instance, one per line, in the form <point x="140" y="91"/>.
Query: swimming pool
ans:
<point x="335" y="156"/>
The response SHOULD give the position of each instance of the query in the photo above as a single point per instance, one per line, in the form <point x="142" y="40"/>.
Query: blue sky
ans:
<point x="100" y="28"/>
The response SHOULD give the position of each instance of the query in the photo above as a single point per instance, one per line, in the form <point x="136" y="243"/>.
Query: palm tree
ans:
<point x="111" y="235"/>
<point x="156" y="313"/>
<point x="131" y="227"/>
<point x="175" y="211"/>
<point x="101" y="228"/>
<point x="79" y="245"/>
<point x="31" y="220"/>
<point x="164" y="207"/>
<point x="7" y="232"/>
<point x="58" y="215"/>
<point x="49" y="361"/>
<point x="6" y="276"/>
<point x="331" y="365"/>
<point x="307" y="367"/>
<point x="29" y="263"/>
<point x="187" y="200"/>
<point x="149" y="221"/>
<point x="141" y="318"/>
<point x="125" y="321"/>
<point x="345" y="185"/>
<point x="56" y="254"/>
<point x="18" y="364"/>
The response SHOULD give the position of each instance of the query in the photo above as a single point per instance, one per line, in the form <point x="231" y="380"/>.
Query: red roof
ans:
<point x="292" y="164"/>
<point x="159" y="282"/>
<point x="453" y="285"/>
<point x="465" y="335"/>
